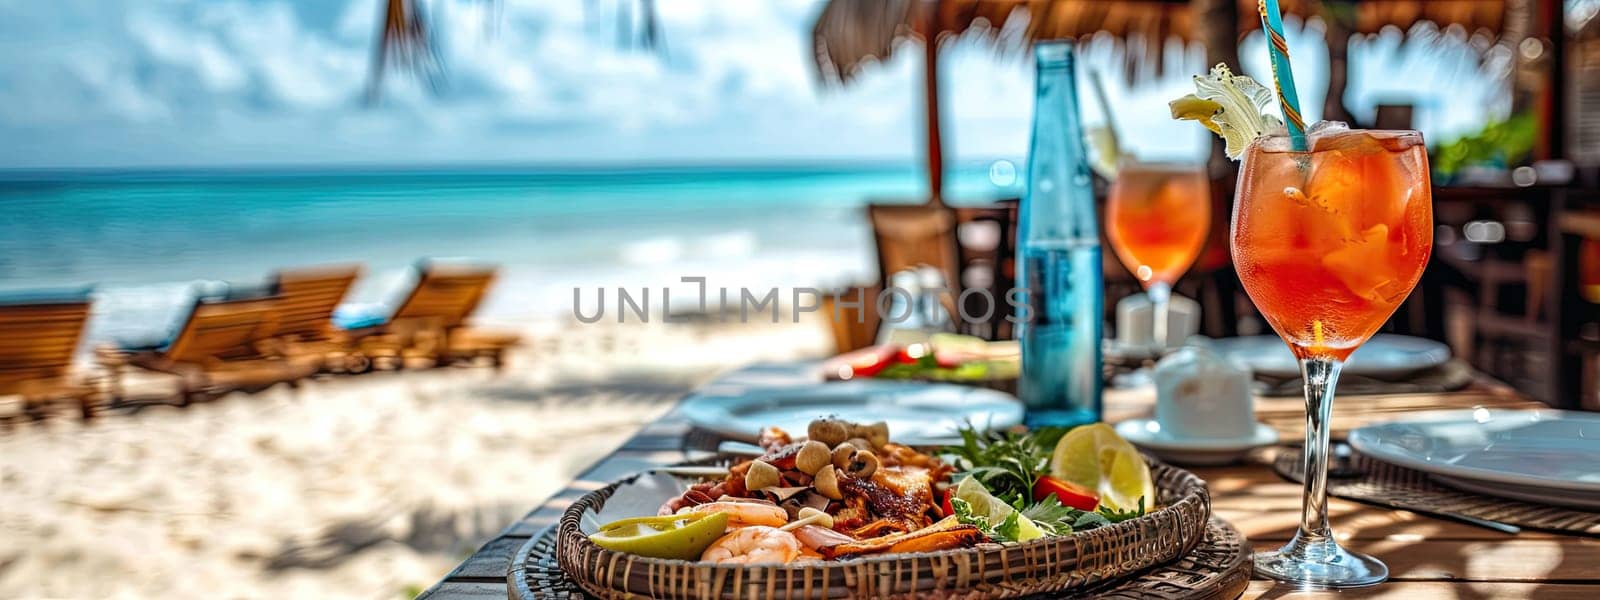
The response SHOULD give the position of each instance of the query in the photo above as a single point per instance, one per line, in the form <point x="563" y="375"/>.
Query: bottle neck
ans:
<point x="1060" y="201"/>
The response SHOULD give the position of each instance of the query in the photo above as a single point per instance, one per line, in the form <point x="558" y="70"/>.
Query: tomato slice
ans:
<point x="1068" y="493"/>
<point x="865" y="362"/>
<point x="944" y="502"/>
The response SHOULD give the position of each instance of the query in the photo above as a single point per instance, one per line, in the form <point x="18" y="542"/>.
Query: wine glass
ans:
<point x="1157" y="217"/>
<point x="1327" y="244"/>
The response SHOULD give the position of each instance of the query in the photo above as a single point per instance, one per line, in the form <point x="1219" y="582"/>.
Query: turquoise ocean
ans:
<point x="148" y="241"/>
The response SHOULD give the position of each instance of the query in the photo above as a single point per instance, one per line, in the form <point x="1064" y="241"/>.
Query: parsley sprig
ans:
<point x="1008" y="464"/>
<point x="1005" y="463"/>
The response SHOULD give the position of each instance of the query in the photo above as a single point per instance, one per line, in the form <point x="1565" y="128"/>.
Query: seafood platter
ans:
<point x="842" y="511"/>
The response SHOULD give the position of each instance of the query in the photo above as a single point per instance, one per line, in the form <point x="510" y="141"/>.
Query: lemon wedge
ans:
<point x="1095" y="457"/>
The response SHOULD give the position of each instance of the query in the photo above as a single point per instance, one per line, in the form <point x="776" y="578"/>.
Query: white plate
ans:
<point x="1545" y="456"/>
<point x="917" y="413"/>
<point x="1384" y="355"/>
<point x="1147" y="434"/>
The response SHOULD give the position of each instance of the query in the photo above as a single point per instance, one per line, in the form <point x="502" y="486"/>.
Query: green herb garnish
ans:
<point x="1005" y="463"/>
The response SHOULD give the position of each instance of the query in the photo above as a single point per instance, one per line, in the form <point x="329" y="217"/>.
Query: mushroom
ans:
<point x="828" y="430"/>
<point x="761" y="475"/>
<point x="842" y="453"/>
<point x="810" y="516"/>
<point x="877" y="434"/>
<point x="827" y="483"/>
<point x="812" y="457"/>
<point x="860" y="443"/>
<point x="862" y="465"/>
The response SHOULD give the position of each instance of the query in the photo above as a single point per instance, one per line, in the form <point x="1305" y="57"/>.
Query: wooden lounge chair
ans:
<point x="39" y="333"/>
<point x="307" y="298"/>
<point x="431" y="322"/>
<point x="226" y="344"/>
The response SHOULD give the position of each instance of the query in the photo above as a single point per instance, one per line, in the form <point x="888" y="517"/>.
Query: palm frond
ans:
<point x="851" y="33"/>
<point x="405" y="42"/>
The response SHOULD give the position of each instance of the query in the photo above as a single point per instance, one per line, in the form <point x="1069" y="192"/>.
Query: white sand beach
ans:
<point x="369" y="486"/>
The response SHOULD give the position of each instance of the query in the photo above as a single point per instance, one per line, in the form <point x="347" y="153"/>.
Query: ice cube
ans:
<point x="1364" y="266"/>
<point x="1273" y="143"/>
<point x="1396" y="140"/>
<point x="1346" y="140"/>
<point x="1325" y="127"/>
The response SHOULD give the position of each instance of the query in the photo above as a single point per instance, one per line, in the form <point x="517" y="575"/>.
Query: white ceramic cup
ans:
<point x="1201" y="395"/>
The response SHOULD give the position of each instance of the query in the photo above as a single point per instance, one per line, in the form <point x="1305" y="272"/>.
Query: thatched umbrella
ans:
<point x="849" y="34"/>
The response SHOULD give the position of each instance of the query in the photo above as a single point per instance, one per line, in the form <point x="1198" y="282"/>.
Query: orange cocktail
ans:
<point x="1329" y="242"/>
<point x="1157" y="217"/>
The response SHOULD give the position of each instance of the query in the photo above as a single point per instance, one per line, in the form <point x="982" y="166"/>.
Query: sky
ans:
<point x="170" y="83"/>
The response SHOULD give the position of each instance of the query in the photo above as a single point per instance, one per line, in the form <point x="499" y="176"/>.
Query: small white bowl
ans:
<point x="1206" y="452"/>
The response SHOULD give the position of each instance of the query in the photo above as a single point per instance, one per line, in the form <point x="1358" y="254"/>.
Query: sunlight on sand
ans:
<point x="372" y="486"/>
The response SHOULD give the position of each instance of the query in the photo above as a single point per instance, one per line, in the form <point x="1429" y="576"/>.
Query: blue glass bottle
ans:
<point x="1058" y="257"/>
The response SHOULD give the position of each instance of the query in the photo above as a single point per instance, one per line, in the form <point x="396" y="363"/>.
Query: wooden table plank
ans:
<point x="457" y="590"/>
<point x="1405" y="590"/>
<point x="490" y="562"/>
<point x="1266" y="507"/>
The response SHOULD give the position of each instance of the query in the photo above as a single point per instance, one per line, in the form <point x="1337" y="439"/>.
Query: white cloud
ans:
<point x="86" y="82"/>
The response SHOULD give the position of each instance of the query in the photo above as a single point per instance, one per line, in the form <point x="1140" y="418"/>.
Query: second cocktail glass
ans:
<point x="1327" y="244"/>
<point x="1157" y="218"/>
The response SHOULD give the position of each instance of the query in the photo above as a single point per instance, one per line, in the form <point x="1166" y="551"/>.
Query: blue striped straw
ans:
<point x="1282" y="75"/>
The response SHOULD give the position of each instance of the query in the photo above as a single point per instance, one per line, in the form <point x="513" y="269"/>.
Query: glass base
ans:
<point x="1320" y="564"/>
<point x="1035" y="418"/>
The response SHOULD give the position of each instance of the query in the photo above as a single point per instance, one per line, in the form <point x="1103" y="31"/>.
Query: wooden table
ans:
<point x="1427" y="557"/>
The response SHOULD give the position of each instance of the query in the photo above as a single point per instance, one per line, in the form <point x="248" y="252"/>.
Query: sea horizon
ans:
<point x="912" y="165"/>
<point x="147" y="239"/>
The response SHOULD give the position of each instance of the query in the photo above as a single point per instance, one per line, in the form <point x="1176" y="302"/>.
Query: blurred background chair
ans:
<point x="853" y="315"/>
<point x="39" y="334"/>
<point x="307" y="299"/>
<point x="224" y="344"/>
<point x="986" y="242"/>
<point x="432" y="322"/>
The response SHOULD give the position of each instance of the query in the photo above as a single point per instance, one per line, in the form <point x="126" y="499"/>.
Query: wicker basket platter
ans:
<point x="1059" y="565"/>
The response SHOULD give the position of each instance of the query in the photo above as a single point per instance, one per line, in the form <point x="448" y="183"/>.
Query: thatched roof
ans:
<point x="850" y="33"/>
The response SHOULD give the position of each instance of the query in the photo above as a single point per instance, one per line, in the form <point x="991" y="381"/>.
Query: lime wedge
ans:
<point x="982" y="502"/>
<point x="1094" y="456"/>
<point x="681" y="537"/>
<point x="994" y="510"/>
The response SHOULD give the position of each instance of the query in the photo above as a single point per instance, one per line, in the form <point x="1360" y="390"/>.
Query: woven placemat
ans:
<point x="1448" y="377"/>
<point x="1217" y="569"/>
<point x="1393" y="486"/>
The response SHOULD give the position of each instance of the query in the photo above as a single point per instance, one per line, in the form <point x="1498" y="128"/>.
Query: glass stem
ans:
<point x="1321" y="376"/>
<point x="1160" y="293"/>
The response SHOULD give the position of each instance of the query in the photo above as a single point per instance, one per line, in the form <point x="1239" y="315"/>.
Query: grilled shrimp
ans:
<point x="745" y="514"/>
<point x="751" y="545"/>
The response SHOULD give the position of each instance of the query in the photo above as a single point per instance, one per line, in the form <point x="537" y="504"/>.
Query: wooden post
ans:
<point x="1216" y="25"/>
<point x="1337" y="37"/>
<point x="1554" y="17"/>
<point x="930" y="94"/>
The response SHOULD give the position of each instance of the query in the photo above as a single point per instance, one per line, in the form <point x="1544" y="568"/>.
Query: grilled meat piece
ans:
<point x="893" y="500"/>
<point x="945" y="534"/>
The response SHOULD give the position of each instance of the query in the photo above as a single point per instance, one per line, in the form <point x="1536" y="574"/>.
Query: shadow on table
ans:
<point x="1412" y="557"/>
